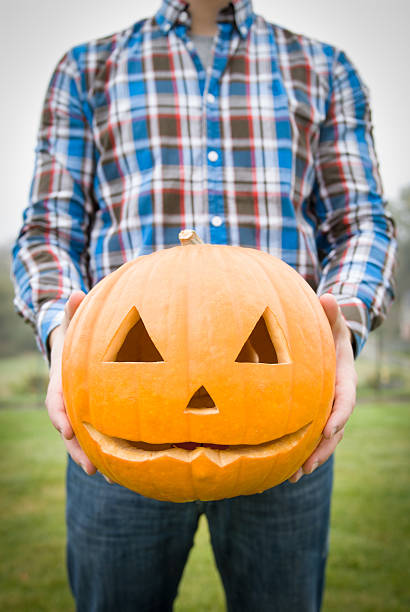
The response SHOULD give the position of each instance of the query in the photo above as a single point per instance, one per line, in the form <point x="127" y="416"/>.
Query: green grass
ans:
<point x="32" y="510"/>
<point x="370" y="543"/>
<point x="369" y="560"/>
<point x="23" y="381"/>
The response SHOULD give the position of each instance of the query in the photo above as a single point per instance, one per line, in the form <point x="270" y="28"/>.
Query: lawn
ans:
<point x="23" y="381"/>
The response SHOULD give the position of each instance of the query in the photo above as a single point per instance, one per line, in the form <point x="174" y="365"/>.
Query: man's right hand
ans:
<point x="54" y="400"/>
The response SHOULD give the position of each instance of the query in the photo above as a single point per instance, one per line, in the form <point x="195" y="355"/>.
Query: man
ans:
<point x="204" y="116"/>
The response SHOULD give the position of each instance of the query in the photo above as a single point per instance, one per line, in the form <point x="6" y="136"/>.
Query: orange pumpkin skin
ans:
<point x="199" y="305"/>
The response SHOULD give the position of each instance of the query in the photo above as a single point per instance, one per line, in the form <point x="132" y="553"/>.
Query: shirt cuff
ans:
<point x="50" y="316"/>
<point x="357" y="318"/>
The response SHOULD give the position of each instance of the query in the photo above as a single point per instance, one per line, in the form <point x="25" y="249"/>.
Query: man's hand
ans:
<point x="54" y="400"/>
<point x="345" y="389"/>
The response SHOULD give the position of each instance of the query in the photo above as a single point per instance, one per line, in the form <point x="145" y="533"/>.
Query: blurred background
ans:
<point x="368" y="568"/>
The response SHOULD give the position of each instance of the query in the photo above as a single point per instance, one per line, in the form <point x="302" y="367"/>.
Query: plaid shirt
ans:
<point x="271" y="148"/>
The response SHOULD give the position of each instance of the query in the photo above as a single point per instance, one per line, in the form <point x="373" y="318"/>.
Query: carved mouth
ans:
<point x="187" y="451"/>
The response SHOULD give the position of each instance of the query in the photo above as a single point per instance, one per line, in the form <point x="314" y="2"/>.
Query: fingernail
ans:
<point x="314" y="466"/>
<point x="107" y="479"/>
<point x="298" y="475"/>
<point x="84" y="468"/>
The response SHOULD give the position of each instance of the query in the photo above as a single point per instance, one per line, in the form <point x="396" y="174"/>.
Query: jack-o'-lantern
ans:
<point x="199" y="372"/>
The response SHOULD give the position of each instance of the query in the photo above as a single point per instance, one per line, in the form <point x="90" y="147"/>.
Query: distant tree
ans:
<point x="387" y="339"/>
<point x="403" y="272"/>
<point x="401" y="211"/>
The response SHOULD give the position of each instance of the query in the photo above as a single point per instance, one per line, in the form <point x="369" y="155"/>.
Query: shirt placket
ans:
<point x="218" y="233"/>
<point x="209" y="86"/>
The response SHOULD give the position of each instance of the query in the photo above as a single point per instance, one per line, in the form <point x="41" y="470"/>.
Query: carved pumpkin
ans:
<point x="199" y="372"/>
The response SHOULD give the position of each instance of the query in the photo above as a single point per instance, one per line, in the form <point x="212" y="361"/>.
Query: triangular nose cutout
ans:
<point x="201" y="403"/>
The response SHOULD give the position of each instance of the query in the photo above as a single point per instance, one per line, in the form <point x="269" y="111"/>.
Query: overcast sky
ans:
<point x="34" y="34"/>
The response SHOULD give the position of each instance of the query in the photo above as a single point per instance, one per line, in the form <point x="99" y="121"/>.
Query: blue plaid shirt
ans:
<point x="269" y="148"/>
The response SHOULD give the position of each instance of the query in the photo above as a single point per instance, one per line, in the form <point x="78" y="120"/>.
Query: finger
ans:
<point x="54" y="399"/>
<point x="344" y="403"/>
<point x="345" y="389"/>
<point x="56" y="410"/>
<point x="78" y="455"/>
<point x="346" y="378"/>
<point x="322" y="452"/>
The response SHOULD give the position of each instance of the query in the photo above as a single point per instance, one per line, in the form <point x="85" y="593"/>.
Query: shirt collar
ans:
<point x="173" y="12"/>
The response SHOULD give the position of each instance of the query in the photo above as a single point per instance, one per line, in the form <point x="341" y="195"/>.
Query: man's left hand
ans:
<point x="345" y="389"/>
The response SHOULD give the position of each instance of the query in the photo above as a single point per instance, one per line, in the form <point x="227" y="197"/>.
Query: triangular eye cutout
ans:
<point x="266" y="343"/>
<point x="132" y="342"/>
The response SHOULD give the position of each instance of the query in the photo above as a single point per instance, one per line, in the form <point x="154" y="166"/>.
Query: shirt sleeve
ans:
<point x="49" y="256"/>
<point x="355" y="233"/>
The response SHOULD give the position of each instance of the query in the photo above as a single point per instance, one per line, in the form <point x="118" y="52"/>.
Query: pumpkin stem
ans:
<point x="189" y="236"/>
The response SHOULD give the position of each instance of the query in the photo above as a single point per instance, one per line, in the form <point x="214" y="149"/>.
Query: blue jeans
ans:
<point x="127" y="552"/>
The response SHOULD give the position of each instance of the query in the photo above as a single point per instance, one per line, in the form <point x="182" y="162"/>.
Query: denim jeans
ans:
<point x="127" y="552"/>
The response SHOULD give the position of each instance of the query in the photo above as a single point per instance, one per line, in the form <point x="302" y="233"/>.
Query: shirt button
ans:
<point x="213" y="156"/>
<point x="210" y="98"/>
<point x="216" y="221"/>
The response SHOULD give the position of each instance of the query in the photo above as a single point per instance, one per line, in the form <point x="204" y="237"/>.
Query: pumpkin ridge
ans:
<point x="185" y="252"/>
<point x="233" y="257"/>
<point x="268" y="477"/>
<point x="322" y="386"/>
<point x="122" y="285"/>
<point x="261" y="264"/>
<point x="309" y="295"/>
<point x="149" y="274"/>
